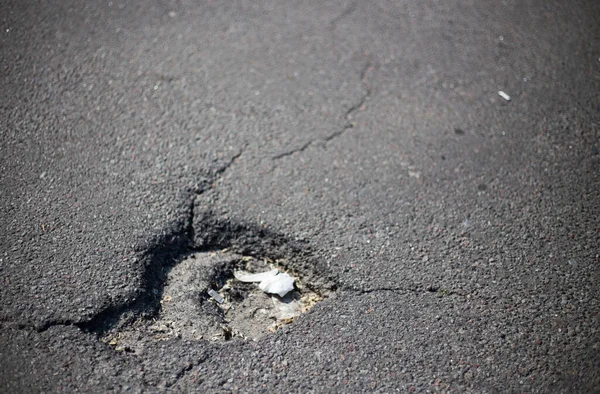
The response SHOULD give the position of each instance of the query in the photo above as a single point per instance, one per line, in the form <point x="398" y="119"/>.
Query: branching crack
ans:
<point x="347" y="117"/>
<point x="199" y="230"/>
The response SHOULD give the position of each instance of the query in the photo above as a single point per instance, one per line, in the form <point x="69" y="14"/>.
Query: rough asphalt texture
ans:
<point x="365" y="140"/>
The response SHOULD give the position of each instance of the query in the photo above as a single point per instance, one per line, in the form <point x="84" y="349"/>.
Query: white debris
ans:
<point x="272" y="282"/>
<point x="246" y="277"/>
<point x="286" y="310"/>
<point x="280" y="284"/>
<point x="504" y="95"/>
<point x="414" y="174"/>
<point x="216" y="296"/>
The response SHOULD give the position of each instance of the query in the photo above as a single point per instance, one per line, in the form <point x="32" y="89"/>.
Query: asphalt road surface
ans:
<point x="454" y="234"/>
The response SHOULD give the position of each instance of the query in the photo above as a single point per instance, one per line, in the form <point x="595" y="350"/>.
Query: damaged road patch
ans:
<point x="202" y="299"/>
<point x="188" y="289"/>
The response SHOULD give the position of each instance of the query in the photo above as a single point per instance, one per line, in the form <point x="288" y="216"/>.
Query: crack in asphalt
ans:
<point x="369" y="291"/>
<point x="85" y="326"/>
<point x="345" y="13"/>
<point x="291" y="152"/>
<point x="347" y="117"/>
<point x="201" y="188"/>
<point x="162" y="251"/>
<point x="165" y="247"/>
<point x="437" y="290"/>
<point x="170" y="244"/>
<point x="221" y="170"/>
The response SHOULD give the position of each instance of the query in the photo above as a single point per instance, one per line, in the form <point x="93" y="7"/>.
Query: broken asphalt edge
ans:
<point x="190" y="232"/>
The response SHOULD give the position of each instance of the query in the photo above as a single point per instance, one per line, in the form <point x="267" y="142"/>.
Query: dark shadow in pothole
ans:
<point x="237" y="309"/>
<point x="203" y="254"/>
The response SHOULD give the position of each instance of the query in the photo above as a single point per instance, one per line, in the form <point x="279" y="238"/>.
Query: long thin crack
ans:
<point x="221" y="170"/>
<point x="437" y="290"/>
<point x="347" y="117"/>
<point x="431" y="289"/>
<point x="369" y="291"/>
<point x="291" y="152"/>
<point x="347" y="11"/>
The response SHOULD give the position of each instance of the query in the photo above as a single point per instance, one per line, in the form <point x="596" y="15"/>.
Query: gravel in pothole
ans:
<point x="237" y="310"/>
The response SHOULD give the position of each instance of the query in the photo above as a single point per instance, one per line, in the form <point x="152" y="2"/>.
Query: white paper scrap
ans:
<point x="246" y="277"/>
<point x="280" y="284"/>
<point x="504" y="95"/>
<point x="272" y="282"/>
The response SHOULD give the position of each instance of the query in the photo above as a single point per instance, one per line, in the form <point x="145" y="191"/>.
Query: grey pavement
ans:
<point x="365" y="143"/>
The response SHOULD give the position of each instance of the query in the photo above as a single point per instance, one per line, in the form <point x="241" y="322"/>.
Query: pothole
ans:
<point x="236" y="309"/>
